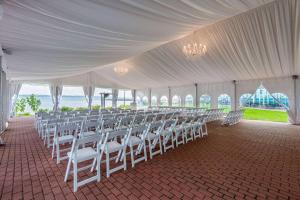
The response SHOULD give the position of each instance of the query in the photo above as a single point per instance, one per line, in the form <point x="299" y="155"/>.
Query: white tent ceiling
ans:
<point x="60" y="38"/>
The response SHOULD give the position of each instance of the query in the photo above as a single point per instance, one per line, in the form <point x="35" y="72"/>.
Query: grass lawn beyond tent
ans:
<point x="265" y="115"/>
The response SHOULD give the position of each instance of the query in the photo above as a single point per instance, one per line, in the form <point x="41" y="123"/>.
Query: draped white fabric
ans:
<point x="56" y="94"/>
<point x="80" y="42"/>
<point x="115" y="93"/>
<point x="89" y="93"/>
<point x="60" y="38"/>
<point x="14" y="89"/>
<point x="260" y="43"/>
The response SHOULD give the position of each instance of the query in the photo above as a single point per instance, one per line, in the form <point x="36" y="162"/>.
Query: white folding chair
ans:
<point x="89" y="127"/>
<point x="179" y="131"/>
<point x="153" y="138"/>
<point x="114" y="143"/>
<point x="50" y="130"/>
<point x="64" y="133"/>
<point x="137" y="138"/>
<point x="80" y="154"/>
<point x="167" y="134"/>
<point x="188" y="129"/>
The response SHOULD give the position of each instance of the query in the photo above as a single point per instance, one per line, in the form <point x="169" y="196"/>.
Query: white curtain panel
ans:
<point x="115" y="93"/>
<point x="89" y="93"/>
<point x="14" y="89"/>
<point x="56" y="94"/>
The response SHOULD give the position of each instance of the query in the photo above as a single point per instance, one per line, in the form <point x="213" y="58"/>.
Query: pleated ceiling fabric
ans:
<point x="62" y="38"/>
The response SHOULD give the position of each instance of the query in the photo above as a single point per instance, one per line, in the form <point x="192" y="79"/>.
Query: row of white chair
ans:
<point x="45" y="126"/>
<point x="233" y="117"/>
<point x="158" y="136"/>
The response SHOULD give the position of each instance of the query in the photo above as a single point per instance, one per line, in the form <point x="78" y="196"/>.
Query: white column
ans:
<point x="4" y="101"/>
<point x="235" y="98"/>
<point x="149" y="97"/>
<point x="169" y="96"/>
<point x="196" y="96"/>
<point x="115" y="97"/>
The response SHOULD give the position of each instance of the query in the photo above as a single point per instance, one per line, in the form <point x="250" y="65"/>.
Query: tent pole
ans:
<point x="170" y="97"/>
<point x="197" y="96"/>
<point x="149" y="98"/>
<point x="295" y="77"/>
<point x="235" y="95"/>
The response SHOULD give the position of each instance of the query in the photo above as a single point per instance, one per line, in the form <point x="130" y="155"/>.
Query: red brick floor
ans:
<point x="251" y="160"/>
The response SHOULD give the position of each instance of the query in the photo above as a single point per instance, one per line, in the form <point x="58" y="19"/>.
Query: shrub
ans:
<point x="81" y="108"/>
<point x="33" y="102"/>
<point x="20" y="105"/>
<point x="23" y="114"/>
<point x="124" y="107"/>
<point x="66" y="109"/>
<point x="96" y="107"/>
<point x="43" y="110"/>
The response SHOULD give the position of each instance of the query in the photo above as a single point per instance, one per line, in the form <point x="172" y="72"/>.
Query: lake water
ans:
<point x="72" y="101"/>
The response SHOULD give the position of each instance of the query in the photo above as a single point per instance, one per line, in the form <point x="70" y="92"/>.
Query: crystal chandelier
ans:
<point x="121" y="70"/>
<point x="190" y="50"/>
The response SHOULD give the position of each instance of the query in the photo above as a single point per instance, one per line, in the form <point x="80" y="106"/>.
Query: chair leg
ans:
<point x="125" y="163"/>
<point x="57" y="153"/>
<point x="145" y="150"/>
<point x="75" y="182"/>
<point x="98" y="168"/>
<point x="160" y="146"/>
<point x="68" y="170"/>
<point x="53" y="150"/>
<point x="132" y="156"/>
<point x="107" y="165"/>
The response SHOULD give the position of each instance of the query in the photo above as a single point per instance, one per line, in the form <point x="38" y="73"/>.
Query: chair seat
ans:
<point x="112" y="146"/>
<point x="134" y="140"/>
<point x="65" y="138"/>
<point x="164" y="133"/>
<point x="85" y="154"/>
<point x="85" y="134"/>
<point x="152" y="136"/>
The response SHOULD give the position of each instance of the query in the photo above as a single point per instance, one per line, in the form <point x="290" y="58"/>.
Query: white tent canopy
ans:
<point x="80" y="42"/>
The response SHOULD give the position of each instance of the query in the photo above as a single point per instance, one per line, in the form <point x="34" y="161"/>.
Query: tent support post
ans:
<point x="3" y="101"/>
<point x="56" y="98"/>
<point x="235" y="96"/>
<point x="295" y="77"/>
<point x="90" y="98"/>
<point x="149" y="97"/>
<point x="169" y="97"/>
<point x="196" y="96"/>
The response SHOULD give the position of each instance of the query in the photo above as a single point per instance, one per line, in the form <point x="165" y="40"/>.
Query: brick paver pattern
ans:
<point x="251" y="160"/>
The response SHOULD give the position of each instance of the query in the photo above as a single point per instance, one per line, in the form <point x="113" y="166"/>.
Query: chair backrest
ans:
<point x="116" y="134"/>
<point x="90" y="125"/>
<point x="93" y="117"/>
<point x="80" y="142"/>
<point x="108" y="124"/>
<point x="137" y="130"/>
<point x="67" y="128"/>
<point x="76" y="119"/>
<point x="125" y="121"/>
<point x="155" y="126"/>
<point x="159" y="116"/>
<point x="169" y="124"/>
<point x="138" y="119"/>
<point x="149" y="118"/>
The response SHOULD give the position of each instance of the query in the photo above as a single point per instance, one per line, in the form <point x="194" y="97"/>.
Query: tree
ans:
<point x="20" y="105"/>
<point x="33" y="102"/>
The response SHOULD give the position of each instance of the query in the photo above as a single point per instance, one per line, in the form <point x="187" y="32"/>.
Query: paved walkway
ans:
<point x="251" y="160"/>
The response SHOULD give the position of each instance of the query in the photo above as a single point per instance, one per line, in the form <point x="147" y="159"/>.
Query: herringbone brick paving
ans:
<point x="251" y="160"/>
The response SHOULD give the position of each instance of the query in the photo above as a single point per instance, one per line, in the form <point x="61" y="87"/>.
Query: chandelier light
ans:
<point x="193" y="49"/>
<point x="121" y="70"/>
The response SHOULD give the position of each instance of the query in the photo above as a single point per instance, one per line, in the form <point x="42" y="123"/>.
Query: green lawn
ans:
<point x="265" y="115"/>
